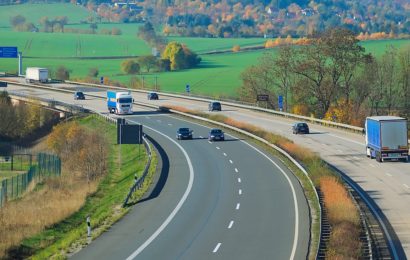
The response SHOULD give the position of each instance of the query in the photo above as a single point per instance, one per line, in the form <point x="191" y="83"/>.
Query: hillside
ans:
<point x="246" y="18"/>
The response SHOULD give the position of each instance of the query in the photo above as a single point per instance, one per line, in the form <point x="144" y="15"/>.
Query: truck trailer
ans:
<point x="119" y="102"/>
<point x="36" y="75"/>
<point x="386" y="138"/>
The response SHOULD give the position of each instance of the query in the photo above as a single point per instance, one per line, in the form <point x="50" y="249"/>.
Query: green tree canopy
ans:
<point x="180" y="56"/>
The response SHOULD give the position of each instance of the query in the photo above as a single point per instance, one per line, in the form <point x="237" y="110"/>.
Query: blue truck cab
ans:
<point x="119" y="103"/>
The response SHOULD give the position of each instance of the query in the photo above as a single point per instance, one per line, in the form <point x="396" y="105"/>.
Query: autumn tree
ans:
<point x="62" y="73"/>
<point x="130" y="67"/>
<point x="17" y="20"/>
<point x="180" y="56"/>
<point x="148" y="62"/>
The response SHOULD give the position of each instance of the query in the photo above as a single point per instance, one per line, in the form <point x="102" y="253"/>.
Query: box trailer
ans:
<point x="386" y="138"/>
<point x="36" y="75"/>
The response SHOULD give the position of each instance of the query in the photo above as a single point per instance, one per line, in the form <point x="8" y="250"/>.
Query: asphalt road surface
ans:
<point x="220" y="200"/>
<point x="386" y="185"/>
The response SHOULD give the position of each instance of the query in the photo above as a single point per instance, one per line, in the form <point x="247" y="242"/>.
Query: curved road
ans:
<point x="387" y="184"/>
<point x="216" y="200"/>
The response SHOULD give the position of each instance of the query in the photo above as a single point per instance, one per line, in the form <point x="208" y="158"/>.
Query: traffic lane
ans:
<point x="210" y="190"/>
<point x="257" y="216"/>
<point x="145" y="217"/>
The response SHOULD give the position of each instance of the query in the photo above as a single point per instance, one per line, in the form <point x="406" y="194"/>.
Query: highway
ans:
<point x="386" y="185"/>
<point x="217" y="200"/>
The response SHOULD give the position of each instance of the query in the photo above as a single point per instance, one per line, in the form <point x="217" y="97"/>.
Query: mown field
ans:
<point x="217" y="75"/>
<point x="33" y="12"/>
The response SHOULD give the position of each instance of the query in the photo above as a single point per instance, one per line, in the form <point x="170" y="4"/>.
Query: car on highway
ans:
<point x="300" y="128"/>
<point x="214" y="106"/>
<point x="78" y="95"/>
<point x="216" y="135"/>
<point x="152" y="96"/>
<point x="184" y="133"/>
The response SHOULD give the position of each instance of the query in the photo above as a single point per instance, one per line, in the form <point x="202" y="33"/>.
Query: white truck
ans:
<point x="386" y="138"/>
<point x="34" y="74"/>
<point x="119" y="102"/>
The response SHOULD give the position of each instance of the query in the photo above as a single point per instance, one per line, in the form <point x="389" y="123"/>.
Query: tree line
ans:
<point x="332" y="78"/>
<point x="57" y="25"/>
<point x="81" y="150"/>
<point x="22" y="120"/>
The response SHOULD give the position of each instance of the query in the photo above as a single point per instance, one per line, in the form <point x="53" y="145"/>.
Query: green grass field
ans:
<point x="217" y="75"/>
<point x="33" y="12"/>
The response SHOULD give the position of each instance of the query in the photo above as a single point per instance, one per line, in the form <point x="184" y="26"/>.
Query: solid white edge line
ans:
<point x="296" y="234"/>
<point x="176" y="209"/>
<point x="216" y="248"/>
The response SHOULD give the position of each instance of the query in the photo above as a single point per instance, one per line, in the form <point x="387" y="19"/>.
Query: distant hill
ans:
<point x="249" y="18"/>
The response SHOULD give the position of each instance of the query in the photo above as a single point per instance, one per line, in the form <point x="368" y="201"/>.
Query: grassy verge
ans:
<point x="342" y="213"/>
<point x="103" y="203"/>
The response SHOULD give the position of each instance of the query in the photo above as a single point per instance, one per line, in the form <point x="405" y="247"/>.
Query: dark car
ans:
<point x="184" y="133"/>
<point x="79" y="95"/>
<point x="214" y="106"/>
<point x="300" y="128"/>
<point x="216" y="135"/>
<point x="152" y="96"/>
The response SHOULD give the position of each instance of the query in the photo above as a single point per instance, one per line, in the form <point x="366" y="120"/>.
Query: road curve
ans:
<point x="241" y="204"/>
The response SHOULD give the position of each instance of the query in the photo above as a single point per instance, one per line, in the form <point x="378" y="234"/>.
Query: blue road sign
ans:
<point x="102" y="80"/>
<point x="187" y="88"/>
<point x="8" y="52"/>
<point x="280" y="102"/>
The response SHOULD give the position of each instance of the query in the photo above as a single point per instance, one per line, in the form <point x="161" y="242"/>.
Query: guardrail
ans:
<point x="198" y="118"/>
<point x="57" y="105"/>
<point x="235" y="104"/>
<point x="138" y="182"/>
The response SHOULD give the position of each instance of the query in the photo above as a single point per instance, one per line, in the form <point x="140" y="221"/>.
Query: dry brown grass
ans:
<point x="343" y="215"/>
<point x="344" y="218"/>
<point x="56" y="200"/>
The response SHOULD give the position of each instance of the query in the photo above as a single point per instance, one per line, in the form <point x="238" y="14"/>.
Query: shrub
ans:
<point x="62" y="73"/>
<point x="93" y="72"/>
<point x="130" y="67"/>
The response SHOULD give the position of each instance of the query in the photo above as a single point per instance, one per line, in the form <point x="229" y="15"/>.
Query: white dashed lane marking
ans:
<point x="225" y="154"/>
<point x="218" y="147"/>
<point x="236" y="170"/>
<point x="407" y="186"/>
<point x="230" y="224"/>
<point x="388" y="174"/>
<point x="216" y="248"/>
<point x="239" y="180"/>
<point x="237" y="206"/>
<point x="371" y="165"/>
<point x="231" y="161"/>
<point x="240" y="192"/>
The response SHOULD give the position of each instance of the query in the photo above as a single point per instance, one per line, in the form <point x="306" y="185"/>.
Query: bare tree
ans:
<point x="404" y="78"/>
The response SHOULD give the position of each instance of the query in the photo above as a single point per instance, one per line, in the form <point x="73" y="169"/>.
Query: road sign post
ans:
<point x="187" y="88"/>
<point x="280" y="103"/>
<point x="264" y="98"/>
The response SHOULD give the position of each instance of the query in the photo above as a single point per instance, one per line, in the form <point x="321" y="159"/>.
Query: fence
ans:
<point x="14" y="187"/>
<point x="15" y="162"/>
